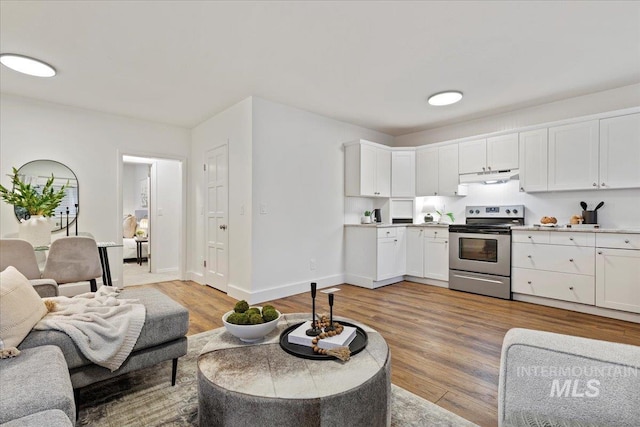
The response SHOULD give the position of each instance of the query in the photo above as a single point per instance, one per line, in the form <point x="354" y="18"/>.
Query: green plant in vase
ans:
<point x="449" y="214"/>
<point x="38" y="203"/>
<point x="30" y="198"/>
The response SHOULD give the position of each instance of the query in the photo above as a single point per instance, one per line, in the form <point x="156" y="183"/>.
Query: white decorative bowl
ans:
<point x="250" y="333"/>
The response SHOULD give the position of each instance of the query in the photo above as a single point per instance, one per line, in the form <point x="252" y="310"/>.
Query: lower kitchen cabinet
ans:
<point x="618" y="272"/>
<point x="557" y="265"/>
<point x="428" y="253"/>
<point x="375" y="256"/>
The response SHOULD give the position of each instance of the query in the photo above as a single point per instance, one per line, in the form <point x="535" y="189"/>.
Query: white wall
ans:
<point x="298" y="177"/>
<point x="599" y="102"/>
<point x="166" y="215"/>
<point x="132" y="174"/>
<point x="233" y="127"/>
<point x="89" y="143"/>
<point x="619" y="211"/>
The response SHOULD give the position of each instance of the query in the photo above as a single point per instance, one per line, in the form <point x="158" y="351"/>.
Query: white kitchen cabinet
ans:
<point x="620" y="152"/>
<point x="436" y="255"/>
<point x="403" y="173"/>
<point x="533" y="160"/>
<point x="367" y="169"/>
<point x="490" y="154"/>
<point x="502" y="152"/>
<point x="573" y="156"/>
<point x="428" y="253"/>
<point x="472" y="157"/>
<point x="375" y="256"/>
<point x="415" y="252"/>
<point x="437" y="171"/>
<point x="554" y="264"/>
<point x="618" y="271"/>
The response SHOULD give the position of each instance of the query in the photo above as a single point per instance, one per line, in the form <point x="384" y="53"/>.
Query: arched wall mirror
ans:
<point x="37" y="173"/>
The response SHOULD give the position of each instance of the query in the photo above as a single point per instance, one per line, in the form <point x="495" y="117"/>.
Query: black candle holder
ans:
<point x="314" y="331"/>
<point x="67" y="221"/>
<point x="330" y="327"/>
<point x="76" y="205"/>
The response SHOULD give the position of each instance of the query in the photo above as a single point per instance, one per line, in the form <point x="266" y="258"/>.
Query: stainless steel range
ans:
<point x="480" y="250"/>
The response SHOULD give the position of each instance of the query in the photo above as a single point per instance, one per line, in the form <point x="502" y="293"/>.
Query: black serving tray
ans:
<point x="357" y="345"/>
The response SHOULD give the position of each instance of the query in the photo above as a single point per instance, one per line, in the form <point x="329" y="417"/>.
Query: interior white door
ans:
<point x="217" y="234"/>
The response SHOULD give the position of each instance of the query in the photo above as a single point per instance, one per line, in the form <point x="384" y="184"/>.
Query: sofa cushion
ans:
<point x="165" y="321"/>
<point x="20" y="305"/>
<point x="49" y="418"/>
<point x="35" y="381"/>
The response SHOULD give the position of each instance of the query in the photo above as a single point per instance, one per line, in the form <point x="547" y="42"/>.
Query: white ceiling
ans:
<point x="367" y="63"/>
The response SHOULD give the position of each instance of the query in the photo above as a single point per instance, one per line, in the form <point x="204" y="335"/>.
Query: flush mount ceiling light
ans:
<point x="24" y="64"/>
<point x="445" y="98"/>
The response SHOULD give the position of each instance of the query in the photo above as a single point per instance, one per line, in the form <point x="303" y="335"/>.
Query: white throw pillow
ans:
<point x="20" y="305"/>
<point x="129" y="227"/>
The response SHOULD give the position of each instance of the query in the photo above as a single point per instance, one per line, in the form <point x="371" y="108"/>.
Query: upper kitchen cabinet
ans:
<point x="620" y="152"/>
<point x="403" y="173"/>
<point x="437" y="171"/>
<point x="573" y="156"/>
<point x="367" y="169"/>
<point x="533" y="160"/>
<point x="491" y="154"/>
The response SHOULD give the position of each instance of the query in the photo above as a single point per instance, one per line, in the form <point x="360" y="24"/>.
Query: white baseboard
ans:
<point x="196" y="277"/>
<point x="582" y="308"/>
<point x="284" y="290"/>
<point x="167" y="270"/>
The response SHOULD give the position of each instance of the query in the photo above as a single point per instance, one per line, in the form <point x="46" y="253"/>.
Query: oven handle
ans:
<point x="477" y="278"/>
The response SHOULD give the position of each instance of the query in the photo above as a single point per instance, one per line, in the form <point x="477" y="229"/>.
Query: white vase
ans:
<point x="36" y="230"/>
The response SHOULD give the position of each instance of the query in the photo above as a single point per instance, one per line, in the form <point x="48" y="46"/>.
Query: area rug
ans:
<point x="146" y="398"/>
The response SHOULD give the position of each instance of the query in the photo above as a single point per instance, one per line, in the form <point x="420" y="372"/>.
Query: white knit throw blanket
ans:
<point x="104" y="328"/>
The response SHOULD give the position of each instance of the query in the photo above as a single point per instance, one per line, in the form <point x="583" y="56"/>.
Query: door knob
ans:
<point x="223" y="227"/>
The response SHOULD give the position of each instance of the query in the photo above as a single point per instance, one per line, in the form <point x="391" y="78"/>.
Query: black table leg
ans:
<point x="103" y="254"/>
<point x="106" y="271"/>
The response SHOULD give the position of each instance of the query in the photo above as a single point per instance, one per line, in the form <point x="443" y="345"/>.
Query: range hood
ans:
<point x="490" y="177"/>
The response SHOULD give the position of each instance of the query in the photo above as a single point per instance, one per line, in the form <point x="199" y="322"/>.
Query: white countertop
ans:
<point x="579" y="230"/>
<point x="383" y="225"/>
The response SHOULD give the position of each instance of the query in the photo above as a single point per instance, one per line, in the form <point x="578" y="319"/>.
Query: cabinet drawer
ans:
<point x="568" y="238"/>
<point x="548" y="284"/>
<point x="618" y="241"/>
<point x="387" y="232"/>
<point x="440" y="233"/>
<point x="530" y="236"/>
<point x="563" y="259"/>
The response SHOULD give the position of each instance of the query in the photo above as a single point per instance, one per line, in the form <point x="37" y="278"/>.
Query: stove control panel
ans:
<point x="511" y="211"/>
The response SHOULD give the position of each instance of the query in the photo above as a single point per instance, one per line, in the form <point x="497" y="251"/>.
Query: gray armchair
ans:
<point x="73" y="259"/>
<point x="20" y="254"/>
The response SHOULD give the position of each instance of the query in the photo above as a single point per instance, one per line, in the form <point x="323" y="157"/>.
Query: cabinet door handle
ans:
<point x="521" y="188"/>
<point x="595" y="184"/>
<point x="529" y="282"/>
<point x="570" y="259"/>
<point x="483" y="168"/>
<point x="570" y="288"/>
<point x="489" y="167"/>
<point x="528" y="256"/>
<point x="395" y="240"/>
<point x="626" y="241"/>
<point x="603" y="184"/>
<point x="435" y="232"/>
<point x="446" y="241"/>
<point x="571" y="238"/>
<point x="599" y="252"/>
<point x="530" y="237"/>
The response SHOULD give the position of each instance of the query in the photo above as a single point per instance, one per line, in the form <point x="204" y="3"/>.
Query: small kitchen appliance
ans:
<point x="377" y="215"/>
<point x="480" y="250"/>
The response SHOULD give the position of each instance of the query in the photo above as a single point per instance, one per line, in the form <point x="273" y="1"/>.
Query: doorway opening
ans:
<point x="151" y="219"/>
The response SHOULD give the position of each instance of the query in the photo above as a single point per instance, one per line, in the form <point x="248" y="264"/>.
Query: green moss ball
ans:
<point x="252" y="310"/>
<point x="269" y="315"/>
<point x="241" y="306"/>
<point x="255" y="319"/>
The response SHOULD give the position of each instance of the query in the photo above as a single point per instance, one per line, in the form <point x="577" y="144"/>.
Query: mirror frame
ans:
<point x="59" y="222"/>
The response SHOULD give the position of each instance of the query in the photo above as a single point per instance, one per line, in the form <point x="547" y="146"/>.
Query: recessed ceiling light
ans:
<point x="445" y="98"/>
<point x="24" y="64"/>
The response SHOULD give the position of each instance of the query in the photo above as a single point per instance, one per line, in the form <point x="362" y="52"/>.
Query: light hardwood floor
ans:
<point x="445" y="345"/>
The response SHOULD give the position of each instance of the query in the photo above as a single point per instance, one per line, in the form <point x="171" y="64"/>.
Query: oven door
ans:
<point x="484" y="252"/>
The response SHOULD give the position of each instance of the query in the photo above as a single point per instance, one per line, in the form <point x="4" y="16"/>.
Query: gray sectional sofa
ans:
<point x="32" y="383"/>
<point x="549" y="380"/>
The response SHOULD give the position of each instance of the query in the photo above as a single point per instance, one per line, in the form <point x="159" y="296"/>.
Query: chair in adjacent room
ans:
<point x="73" y="259"/>
<point x="20" y="254"/>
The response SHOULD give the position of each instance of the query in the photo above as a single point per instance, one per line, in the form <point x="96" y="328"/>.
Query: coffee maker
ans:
<point x="377" y="215"/>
